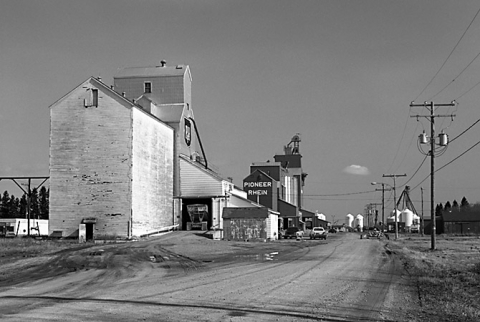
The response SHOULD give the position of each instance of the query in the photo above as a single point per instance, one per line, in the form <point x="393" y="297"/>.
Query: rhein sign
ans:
<point x="257" y="188"/>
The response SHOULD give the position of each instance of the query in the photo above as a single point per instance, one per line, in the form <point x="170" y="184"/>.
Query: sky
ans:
<point x="341" y="73"/>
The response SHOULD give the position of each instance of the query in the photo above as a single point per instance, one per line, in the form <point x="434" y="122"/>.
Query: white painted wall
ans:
<point x="152" y="174"/>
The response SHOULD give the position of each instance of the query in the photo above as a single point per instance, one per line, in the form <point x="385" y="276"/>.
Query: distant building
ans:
<point x="279" y="185"/>
<point x="465" y="222"/>
<point x="313" y="219"/>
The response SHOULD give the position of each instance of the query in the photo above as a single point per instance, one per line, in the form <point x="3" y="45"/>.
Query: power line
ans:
<point x="400" y="143"/>
<point x="427" y="155"/>
<point x="448" y="163"/>
<point x="341" y="194"/>
<point x="468" y="91"/>
<point x="459" y="156"/>
<point x="409" y="145"/>
<point x="464" y="131"/>
<point x="340" y="199"/>
<point x="455" y="77"/>
<point x="471" y="22"/>
<point x="415" y="172"/>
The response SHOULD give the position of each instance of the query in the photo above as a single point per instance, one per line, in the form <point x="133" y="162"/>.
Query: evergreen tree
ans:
<point x="23" y="207"/>
<point x="43" y="199"/>
<point x="17" y="207"/>
<point x="455" y="205"/>
<point x="464" y="203"/>
<point x="4" y="208"/>
<point x="448" y="206"/>
<point x="439" y="209"/>
<point x="34" y="205"/>
<point x="12" y="207"/>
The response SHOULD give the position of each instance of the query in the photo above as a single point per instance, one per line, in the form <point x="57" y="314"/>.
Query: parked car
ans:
<point x="332" y="231"/>
<point x="293" y="232"/>
<point x="318" y="232"/>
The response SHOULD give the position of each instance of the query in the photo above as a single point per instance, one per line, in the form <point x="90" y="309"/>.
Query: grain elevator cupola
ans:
<point x="294" y="146"/>
<point x="291" y="162"/>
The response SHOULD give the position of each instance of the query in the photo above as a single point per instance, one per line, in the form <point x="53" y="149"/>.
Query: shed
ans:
<point x="250" y="224"/>
<point x="461" y="222"/>
<point x="20" y="226"/>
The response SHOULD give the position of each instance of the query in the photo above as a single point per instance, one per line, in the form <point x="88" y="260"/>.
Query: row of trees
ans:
<point x="454" y="206"/>
<point x="13" y="207"/>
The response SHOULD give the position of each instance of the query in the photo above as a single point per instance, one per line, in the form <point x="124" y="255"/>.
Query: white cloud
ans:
<point x="357" y="169"/>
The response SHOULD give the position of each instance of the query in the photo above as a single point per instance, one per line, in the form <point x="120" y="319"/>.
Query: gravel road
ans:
<point x="182" y="276"/>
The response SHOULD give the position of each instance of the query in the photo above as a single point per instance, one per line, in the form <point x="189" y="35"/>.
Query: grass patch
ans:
<point x="448" y="278"/>
<point x="30" y="247"/>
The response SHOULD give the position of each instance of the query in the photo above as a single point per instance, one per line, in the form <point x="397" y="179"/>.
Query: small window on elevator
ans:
<point x="92" y="98"/>
<point x="147" y="87"/>
<point x="95" y="97"/>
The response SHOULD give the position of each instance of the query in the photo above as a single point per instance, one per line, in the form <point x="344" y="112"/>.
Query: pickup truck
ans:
<point x="293" y="232"/>
<point x="318" y="232"/>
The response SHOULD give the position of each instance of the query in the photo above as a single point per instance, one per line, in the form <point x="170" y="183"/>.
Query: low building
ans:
<point x="465" y="222"/>
<point x="312" y="219"/>
<point x="19" y="227"/>
<point x="250" y="224"/>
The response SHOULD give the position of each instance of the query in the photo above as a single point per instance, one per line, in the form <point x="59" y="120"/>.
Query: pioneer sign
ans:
<point x="257" y="188"/>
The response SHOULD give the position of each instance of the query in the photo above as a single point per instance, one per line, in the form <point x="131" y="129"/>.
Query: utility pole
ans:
<point x="443" y="142"/>
<point x="374" y="212"/>
<point x="394" y="176"/>
<point x="422" y="224"/>
<point x="29" y="205"/>
<point x="383" y="204"/>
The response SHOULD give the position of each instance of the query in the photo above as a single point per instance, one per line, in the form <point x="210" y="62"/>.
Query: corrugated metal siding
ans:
<point x="196" y="182"/>
<point x="90" y="164"/>
<point x="152" y="174"/>
<point x="169" y="88"/>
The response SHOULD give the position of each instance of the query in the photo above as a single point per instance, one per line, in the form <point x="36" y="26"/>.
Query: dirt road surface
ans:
<point x="182" y="276"/>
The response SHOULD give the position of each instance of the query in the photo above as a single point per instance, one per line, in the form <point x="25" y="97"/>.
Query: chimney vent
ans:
<point x="163" y="63"/>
